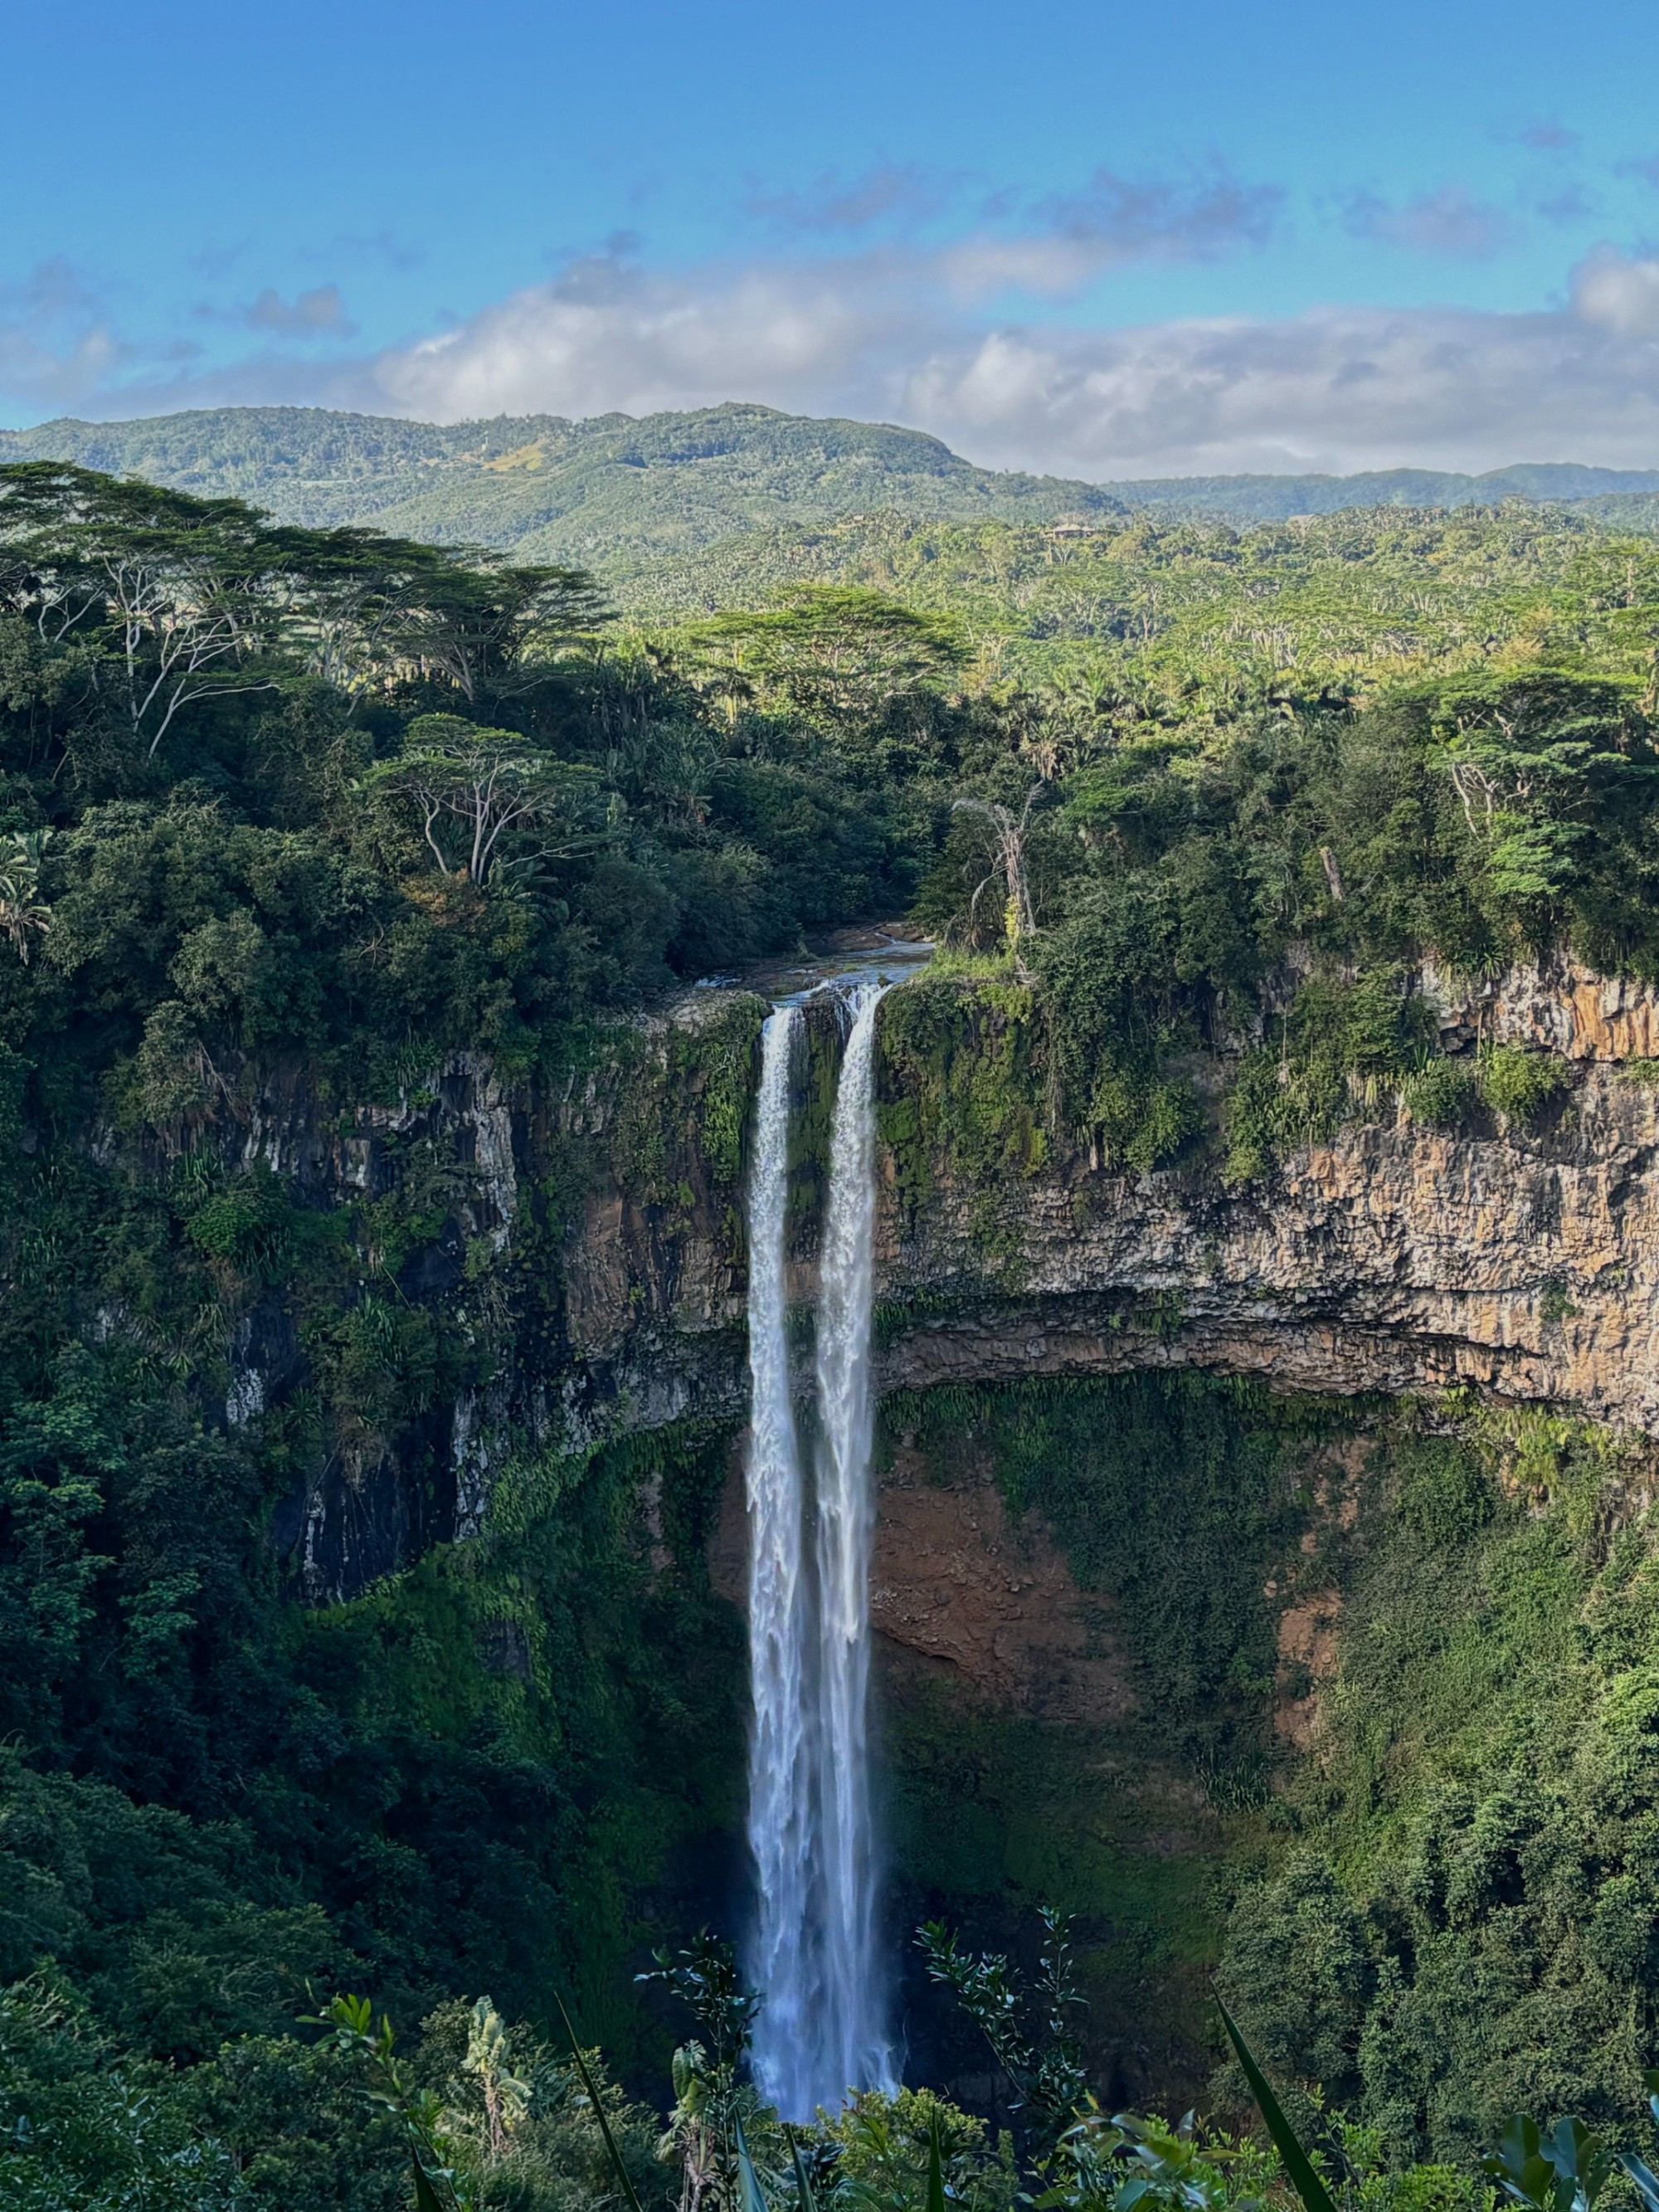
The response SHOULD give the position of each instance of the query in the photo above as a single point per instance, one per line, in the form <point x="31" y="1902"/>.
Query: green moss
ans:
<point x="1340" y="1046"/>
<point x="1443" y="1494"/>
<point x="1172" y="1495"/>
<point x="579" y="1651"/>
<point x="993" y="1814"/>
<point x="677" y="1115"/>
<point x="636" y="1139"/>
<point x="961" y="1091"/>
<point x="715" y="1065"/>
<point x="424" y="1191"/>
<point x="893" y="1318"/>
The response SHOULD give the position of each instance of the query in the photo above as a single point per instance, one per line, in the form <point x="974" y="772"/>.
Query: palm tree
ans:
<point x="22" y="910"/>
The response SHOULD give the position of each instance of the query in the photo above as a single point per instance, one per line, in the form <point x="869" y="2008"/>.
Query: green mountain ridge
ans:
<point x="610" y="491"/>
<point x="615" y="492"/>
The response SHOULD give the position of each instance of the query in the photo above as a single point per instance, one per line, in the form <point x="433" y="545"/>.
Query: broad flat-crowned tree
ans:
<point x="186" y="600"/>
<point x="832" y="647"/>
<point x="186" y="596"/>
<point x="489" y="800"/>
<point x="1541" y="764"/>
<point x="490" y="627"/>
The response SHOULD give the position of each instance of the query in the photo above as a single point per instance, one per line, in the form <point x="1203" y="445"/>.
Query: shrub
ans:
<point x="1274" y="1105"/>
<point x="1443" y="1495"/>
<point x="1142" y="1124"/>
<point x="1443" y="1095"/>
<point x="1518" y="1083"/>
<point x="248" y="1225"/>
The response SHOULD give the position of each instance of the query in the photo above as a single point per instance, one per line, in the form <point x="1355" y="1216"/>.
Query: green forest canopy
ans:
<point x="280" y="794"/>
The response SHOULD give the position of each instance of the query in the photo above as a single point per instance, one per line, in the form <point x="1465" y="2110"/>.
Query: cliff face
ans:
<point x="1393" y="1259"/>
<point x="580" y="1242"/>
<point x="1396" y="1258"/>
<point x="572" y="1250"/>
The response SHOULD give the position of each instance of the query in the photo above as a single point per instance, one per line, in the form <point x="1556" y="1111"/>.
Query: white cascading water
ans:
<point x="822" y="2028"/>
<point x="779" y="1787"/>
<point x="852" y="2020"/>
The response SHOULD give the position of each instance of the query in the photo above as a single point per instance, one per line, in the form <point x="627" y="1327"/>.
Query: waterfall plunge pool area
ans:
<point x="986" y="1738"/>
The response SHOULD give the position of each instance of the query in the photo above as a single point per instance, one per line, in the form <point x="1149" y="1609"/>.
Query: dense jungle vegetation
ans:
<point x="286" y="806"/>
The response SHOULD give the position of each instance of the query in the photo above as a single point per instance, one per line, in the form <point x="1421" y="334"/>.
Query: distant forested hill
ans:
<point x="617" y="494"/>
<point x="610" y="492"/>
<point x="1271" y="499"/>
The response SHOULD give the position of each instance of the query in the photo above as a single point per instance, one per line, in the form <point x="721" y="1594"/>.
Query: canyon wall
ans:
<point x="1396" y="1258"/>
<point x="581" y="1239"/>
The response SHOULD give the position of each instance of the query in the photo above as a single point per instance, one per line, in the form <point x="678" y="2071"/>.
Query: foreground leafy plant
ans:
<point x="1046" y="2069"/>
<point x="440" y="2184"/>
<point x="1564" y="2170"/>
<point x="1304" y="2175"/>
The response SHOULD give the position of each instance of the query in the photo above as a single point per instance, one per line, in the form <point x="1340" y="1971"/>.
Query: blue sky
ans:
<point x="1097" y="240"/>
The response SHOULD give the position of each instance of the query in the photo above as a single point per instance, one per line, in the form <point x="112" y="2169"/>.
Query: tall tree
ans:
<point x="187" y="596"/>
<point x="489" y="800"/>
<point x="834" y="647"/>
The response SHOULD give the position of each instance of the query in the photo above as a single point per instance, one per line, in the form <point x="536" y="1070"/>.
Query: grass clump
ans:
<point x="1519" y="1085"/>
<point x="1443" y="1095"/>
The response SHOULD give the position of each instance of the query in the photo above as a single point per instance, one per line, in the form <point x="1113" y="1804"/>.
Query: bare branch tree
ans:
<point x="1009" y="831"/>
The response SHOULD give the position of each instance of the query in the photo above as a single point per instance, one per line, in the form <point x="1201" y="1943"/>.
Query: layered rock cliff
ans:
<point x="1395" y="1258"/>
<point x="582" y="1240"/>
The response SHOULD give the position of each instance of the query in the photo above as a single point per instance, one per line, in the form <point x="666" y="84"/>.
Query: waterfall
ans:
<point x="814" y="1958"/>
<point x="852" y="2022"/>
<point x="780" y="1809"/>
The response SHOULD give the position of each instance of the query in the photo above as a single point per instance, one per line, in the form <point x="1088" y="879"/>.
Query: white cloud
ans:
<point x="895" y="334"/>
<point x="1620" y="294"/>
<point x="607" y="338"/>
<point x="1336" y="388"/>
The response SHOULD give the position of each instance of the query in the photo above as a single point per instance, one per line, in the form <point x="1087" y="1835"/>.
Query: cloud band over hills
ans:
<point x="930" y="338"/>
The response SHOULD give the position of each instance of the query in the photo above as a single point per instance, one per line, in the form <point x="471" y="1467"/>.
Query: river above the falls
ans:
<point x="849" y="960"/>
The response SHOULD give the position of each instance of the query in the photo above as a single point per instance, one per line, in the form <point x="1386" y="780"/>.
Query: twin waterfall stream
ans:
<point x="815" y="1959"/>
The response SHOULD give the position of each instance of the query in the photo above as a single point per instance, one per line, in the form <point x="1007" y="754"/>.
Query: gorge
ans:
<point x="527" y="1431"/>
<point x="1397" y="1265"/>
